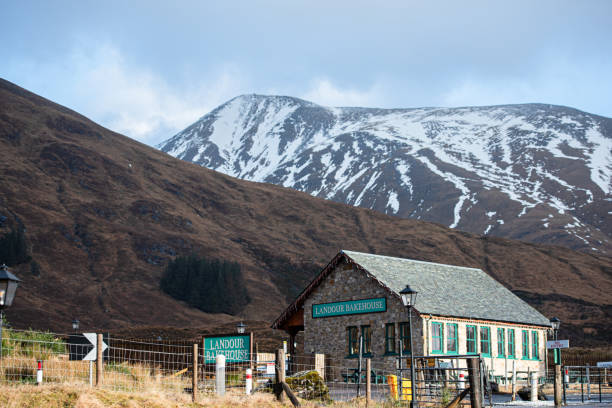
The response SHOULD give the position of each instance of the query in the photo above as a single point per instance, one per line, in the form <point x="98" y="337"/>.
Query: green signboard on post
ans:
<point x="349" y="307"/>
<point x="236" y="349"/>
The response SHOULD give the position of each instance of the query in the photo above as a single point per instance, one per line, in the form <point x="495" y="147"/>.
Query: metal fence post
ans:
<point x="368" y="381"/>
<point x="194" y="379"/>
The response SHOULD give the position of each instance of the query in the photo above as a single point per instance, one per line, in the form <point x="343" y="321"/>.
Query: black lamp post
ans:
<point x="241" y="327"/>
<point x="555" y="323"/>
<point x="8" y="286"/>
<point x="75" y="325"/>
<point x="409" y="299"/>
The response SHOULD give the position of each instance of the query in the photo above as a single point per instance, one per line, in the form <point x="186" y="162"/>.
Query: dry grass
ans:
<point x="71" y="396"/>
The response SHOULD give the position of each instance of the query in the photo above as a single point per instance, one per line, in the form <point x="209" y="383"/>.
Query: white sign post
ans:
<point x="557" y="344"/>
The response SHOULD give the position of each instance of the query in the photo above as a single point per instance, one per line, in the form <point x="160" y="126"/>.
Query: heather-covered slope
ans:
<point x="103" y="213"/>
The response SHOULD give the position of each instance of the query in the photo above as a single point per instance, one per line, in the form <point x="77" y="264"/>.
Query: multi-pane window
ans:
<point x="485" y="341"/>
<point x="352" y="341"/>
<point x="451" y="338"/>
<point x="501" y="342"/>
<point x="404" y="329"/>
<point x="366" y="332"/>
<point x="437" y="338"/>
<point x="534" y="345"/>
<point x="470" y="338"/>
<point x="390" y="338"/>
<point x="525" y="344"/>
<point x="511" y="343"/>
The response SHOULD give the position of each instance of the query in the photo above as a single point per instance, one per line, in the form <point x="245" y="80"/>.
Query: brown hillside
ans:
<point x="103" y="213"/>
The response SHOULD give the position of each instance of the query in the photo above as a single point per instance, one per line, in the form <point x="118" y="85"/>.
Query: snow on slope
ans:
<point x="449" y="165"/>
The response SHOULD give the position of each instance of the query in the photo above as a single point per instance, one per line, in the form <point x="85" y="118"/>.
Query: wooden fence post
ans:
<point x="280" y="373"/>
<point x="194" y="386"/>
<point x="368" y="381"/>
<point x="474" y="376"/>
<point x="99" y="361"/>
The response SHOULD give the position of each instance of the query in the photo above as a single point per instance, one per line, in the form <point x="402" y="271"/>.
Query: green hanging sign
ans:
<point x="349" y="307"/>
<point x="236" y="349"/>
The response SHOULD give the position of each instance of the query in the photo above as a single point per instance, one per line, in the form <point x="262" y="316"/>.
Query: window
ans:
<point x="470" y="338"/>
<point x="437" y="338"/>
<point x="525" y="345"/>
<point x="501" y="343"/>
<point x="404" y="329"/>
<point x="352" y="341"/>
<point x="511" y="343"/>
<point x="485" y="341"/>
<point x="390" y="338"/>
<point x="534" y="345"/>
<point x="451" y="338"/>
<point x="366" y="332"/>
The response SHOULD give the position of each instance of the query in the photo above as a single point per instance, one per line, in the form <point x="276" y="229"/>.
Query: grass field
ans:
<point x="71" y="396"/>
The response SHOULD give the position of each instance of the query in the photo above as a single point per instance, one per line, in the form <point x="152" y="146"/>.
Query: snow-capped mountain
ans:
<point x="535" y="172"/>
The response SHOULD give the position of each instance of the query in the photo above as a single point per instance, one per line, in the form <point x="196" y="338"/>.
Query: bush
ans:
<point x="30" y="343"/>
<point x="213" y="286"/>
<point x="13" y="248"/>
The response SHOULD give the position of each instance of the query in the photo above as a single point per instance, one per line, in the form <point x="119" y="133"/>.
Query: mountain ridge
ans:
<point x="536" y="172"/>
<point x="103" y="214"/>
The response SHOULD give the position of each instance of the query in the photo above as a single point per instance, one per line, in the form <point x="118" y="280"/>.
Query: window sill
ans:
<point x="369" y="355"/>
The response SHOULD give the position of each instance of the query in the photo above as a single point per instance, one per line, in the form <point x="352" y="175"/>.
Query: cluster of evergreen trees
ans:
<point x="214" y="286"/>
<point x="13" y="248"/>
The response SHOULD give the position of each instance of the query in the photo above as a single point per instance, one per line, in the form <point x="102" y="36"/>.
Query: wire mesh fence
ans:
<point x="28" y="357"/>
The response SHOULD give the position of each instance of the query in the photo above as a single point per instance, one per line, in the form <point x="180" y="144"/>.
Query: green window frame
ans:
<point x="501" y="342"/>
<point x="534" y="346"/>
<point x="525" y="338"/>
<point x="437" y="338"/>
<point x="352" y="341"/>
<point x="485" y="341"/>
<point x="404" y="332"/>
<point x="511" y="353"/>
<point x="451" y="339"/>
<point x="366" y="332"/>
<point x="390" y="338"/>
<point x="471" y="338"/>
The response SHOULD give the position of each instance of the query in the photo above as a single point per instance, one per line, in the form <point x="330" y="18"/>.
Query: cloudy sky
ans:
<point x="148" y="69"/>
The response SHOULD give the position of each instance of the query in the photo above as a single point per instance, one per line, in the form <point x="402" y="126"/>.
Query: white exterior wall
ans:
<point x="498" y="363"/>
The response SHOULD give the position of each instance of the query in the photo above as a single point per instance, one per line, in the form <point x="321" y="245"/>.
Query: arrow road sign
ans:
<point x="93" y="354"/>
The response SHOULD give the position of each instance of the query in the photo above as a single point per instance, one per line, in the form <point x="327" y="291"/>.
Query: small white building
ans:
<point x="458" y="311"/>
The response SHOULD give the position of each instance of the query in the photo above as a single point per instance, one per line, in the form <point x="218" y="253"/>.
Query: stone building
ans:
<point x="458" y="311"/>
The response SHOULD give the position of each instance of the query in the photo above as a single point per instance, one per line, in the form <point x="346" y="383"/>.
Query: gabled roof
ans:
<point x="443" y="290"/>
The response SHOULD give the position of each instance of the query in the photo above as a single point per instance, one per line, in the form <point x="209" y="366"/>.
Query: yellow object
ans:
<point x="406" y="388"/>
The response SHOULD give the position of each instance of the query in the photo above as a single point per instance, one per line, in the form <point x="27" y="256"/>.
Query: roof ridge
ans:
<point x="348" y="252"/>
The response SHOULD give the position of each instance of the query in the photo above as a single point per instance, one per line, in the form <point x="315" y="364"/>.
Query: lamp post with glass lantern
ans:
<point x="75" y="325"/>
<point x="409" y="299"/>
<point x="555" y="323"/>
<point x="8" y="286"/>
<point x="241" y="327"/>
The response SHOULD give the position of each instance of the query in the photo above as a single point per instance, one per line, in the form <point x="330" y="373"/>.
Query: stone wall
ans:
<point x="328" y="335"/>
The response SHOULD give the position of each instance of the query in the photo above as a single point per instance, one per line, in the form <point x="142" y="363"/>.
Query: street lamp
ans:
<point x="8" y="286"/>
<point x="75" y="325"/>
<point x="241" y="327"/>
<point x="555" y="323"/>
<point x="409" y="296"/>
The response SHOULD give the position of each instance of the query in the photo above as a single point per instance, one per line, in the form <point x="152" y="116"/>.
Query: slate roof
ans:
<point x="449" y="290"/>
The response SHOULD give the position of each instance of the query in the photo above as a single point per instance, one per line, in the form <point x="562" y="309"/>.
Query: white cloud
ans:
<point x="132" y="100"/>
<point x="324" y="92"/>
